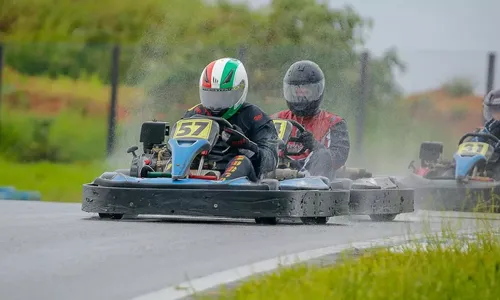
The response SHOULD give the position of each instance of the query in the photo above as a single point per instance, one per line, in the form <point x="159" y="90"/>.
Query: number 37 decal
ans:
<point x="473" y="148"/>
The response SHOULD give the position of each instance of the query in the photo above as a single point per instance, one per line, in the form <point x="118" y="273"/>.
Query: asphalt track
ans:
<point x="56" y="251"/>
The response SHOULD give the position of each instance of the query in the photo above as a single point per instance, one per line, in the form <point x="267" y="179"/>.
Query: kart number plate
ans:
<point x="473" y="148"/>
<point x="194" y="129"/>
<point x="280" y="127"/>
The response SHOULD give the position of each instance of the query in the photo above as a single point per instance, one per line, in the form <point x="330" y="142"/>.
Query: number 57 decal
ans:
<point x="196" y="129"/>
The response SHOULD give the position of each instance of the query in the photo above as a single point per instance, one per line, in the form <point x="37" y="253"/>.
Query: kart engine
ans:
<point x="430" y="153"/>
<point x="160" y="158"/>
<point x="153" y="134"/>
<point x="155" y="152"/>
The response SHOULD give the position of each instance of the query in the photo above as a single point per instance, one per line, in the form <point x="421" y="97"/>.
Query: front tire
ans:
<point x="266" y="221"/>
<point x="110" y="216"/>
<point x="383" y="218"/>
<point x="314" y="220"/>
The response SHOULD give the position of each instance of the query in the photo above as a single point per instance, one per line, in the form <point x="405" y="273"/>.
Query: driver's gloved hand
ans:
<point x="281" y="148"/>
<point x="237" y="128"/>
<point x="307" y="139"/>
<point x="236" y="139"/>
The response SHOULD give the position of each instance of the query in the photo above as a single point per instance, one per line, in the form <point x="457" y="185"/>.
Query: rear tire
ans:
<point x="383" y="218"/>
<point x="314" y="220"/>
<point x="266" y="221"/>
<point x="110" y="216"/>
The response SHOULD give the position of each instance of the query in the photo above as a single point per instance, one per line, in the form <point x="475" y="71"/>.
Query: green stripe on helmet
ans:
<point x="231" y="111"/>
<point x="231" y="65"/>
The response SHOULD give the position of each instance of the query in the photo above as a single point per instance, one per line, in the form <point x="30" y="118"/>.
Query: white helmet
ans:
<point x="491" y="103"/>
<point x="223" y="86"/>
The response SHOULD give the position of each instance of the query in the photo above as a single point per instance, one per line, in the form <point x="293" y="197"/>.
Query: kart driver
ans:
<point x="223" y="91"/>
<point x="327" y="135"/>
<point x="491" y="113"/>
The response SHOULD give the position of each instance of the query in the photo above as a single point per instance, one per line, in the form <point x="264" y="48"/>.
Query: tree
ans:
<point x="168" y="44"/>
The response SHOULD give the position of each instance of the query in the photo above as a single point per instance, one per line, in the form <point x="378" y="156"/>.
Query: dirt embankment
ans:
<point x="51" y="96"/>
<point x="460" y="113"/>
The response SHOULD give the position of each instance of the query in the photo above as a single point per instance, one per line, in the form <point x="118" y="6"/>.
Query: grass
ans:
<point x="466" y="269"/>
<point x="55" y="162"/>
<point x="56" y="182"/>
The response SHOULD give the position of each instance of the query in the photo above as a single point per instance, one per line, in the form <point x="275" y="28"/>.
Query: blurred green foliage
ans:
<point x="166" y="44"/>
<point x="68" y="137"/>
<point x="459" y="87"/>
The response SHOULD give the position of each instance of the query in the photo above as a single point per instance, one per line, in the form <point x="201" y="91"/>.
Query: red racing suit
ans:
<point x="327" y="128"/>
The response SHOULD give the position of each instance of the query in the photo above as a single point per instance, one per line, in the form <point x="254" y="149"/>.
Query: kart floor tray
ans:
<point x="449" y="195"/>
<point x="464" y="199"/>
<point x="222" y="203"/>
<point x="381" y="201"/>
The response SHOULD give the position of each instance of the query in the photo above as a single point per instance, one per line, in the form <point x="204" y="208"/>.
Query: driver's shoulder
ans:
<point x="329" y="117"/>
<point x="283" y="114"/>
<point x="253" y="113"/>
<point x="251" y="118"/>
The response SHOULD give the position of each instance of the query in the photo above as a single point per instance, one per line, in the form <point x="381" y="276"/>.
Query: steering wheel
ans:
<point x="300" y="130"/>
<point x="223" y="123"/>
<point x="485" y="135"/>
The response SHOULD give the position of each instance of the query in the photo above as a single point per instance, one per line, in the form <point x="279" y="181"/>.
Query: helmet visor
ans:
<point x="491" y="111"/>
<point x="220" y="99"/>
<point x="492" y="98"/>
<point x="303" y="93"/>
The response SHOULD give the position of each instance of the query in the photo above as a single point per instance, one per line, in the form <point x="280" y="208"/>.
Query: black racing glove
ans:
<point x="307" y="139"/>
<point x="236" y="139"/>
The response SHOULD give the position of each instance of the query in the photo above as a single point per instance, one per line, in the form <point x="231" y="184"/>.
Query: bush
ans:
<point x="459" y="87"/>
<point x="65" y="138"/>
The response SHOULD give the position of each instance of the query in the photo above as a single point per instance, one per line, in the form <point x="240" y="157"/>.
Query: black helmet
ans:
<point x="491" y="103"/>
<point x="303" y="88"/>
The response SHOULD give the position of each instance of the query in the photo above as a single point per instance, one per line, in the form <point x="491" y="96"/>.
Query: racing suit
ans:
<point x="492" y="127"/>
<point x="258" y="128"/>
<point x="330" y="131"/>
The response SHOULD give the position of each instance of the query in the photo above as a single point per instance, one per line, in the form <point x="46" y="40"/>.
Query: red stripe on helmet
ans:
<point x="207" y="77"/>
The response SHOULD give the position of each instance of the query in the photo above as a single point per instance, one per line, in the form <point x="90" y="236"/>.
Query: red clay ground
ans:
<point x="461" y="114"/>
<point x="47" y="96"/>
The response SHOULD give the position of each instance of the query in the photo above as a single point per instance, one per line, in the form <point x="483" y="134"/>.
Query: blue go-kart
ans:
<point x="469" y="182"/>
<point x="198" y="156"/>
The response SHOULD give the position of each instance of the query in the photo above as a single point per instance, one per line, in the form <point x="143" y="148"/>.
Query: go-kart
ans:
<point x="379" y="197"/>
<point x="468" y="182"/>
<point x="194" y="187"/>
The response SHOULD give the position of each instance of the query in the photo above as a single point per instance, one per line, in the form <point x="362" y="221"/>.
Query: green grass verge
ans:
<point x="467" y="269"/>
<point x="56" y="182"/>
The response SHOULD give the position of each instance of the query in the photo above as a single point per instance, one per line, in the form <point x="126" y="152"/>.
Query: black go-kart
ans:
<point x="194" y="186"/>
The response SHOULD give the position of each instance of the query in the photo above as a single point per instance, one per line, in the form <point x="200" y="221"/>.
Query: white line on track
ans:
<point x="187" y="288"/>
